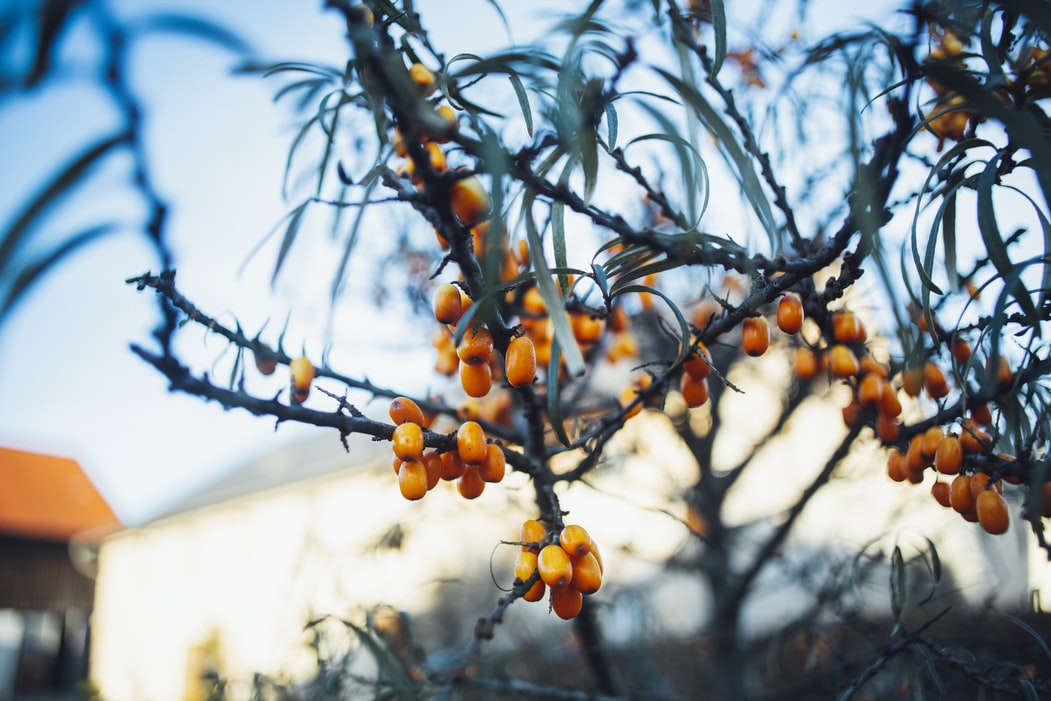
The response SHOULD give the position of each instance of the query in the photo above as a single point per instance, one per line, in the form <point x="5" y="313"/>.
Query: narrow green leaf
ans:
<point x="1032" y="633"/>
<point x="612" y="125"/>
<point x="994" y="243"/>
<point x="588" y="144"/>
<point x="292" y="148"/>
<point x="949" y="241"/>
<point x="348" y="245"/>
<point x="719" y="27"/>
<point x="684" y="327"/>
<point x="558" y="241"/>
<point x="1045" y="227"/>
<point x="897" y="583"/>
<point x="294" y="220"/>
<point x="523" y="100"/>
<point x="196" y="27"/>
<point x="599" y="274"/>
<point x="554" y="398"/>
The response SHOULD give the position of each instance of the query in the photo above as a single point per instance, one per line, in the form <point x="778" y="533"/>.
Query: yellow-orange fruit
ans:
<point x="433" y="463"/>
<point x="587" y="577"/>
<point x="476" y="346"/>
<point x="932" y="438"/>
<point x="532" y="532"/>
<point x="981" y="414"/>
<point x="452" y="465"/>
<point x="940" y="492"/>
<point x="566" y="602"/>
<point x="961" y="350"/>
<point x="423" y="77"/>
<point x="851" y="414"/>
<point x="575" y="540"/>
<point x="992" y="512"/>
<point x="914" y="458"/>
<point x="960" y="494"/>
<point x="870" y="389"/>
<point x="698" y="364"/>
<point x="476" y="380"/>
<point x="618" y="318"/>
<point x="889" y="403"/>
<point x="896" y="466"/>
<point x="1002" y="373"/>
<point x="586" y="329"/>
<point x="448" y="307"/>
<point x="301" y="372"/>
<point x="628" y="395"/>
<point x="494" y="466"/>
<point x="525" y="568"/>
<point x="980" y="483"/>
<point x="869" y="365"/>
<point x="934" y="380"/>
<point x="396" y="463"/>
<point x="806" y="365"/>
<point x="408" y="441"/>
<point x="469" y="200"/>
<point x="973" y="440"/>
<point x="755" y="335"/>
<point x="624" y="345"/>
<point x="470" y="484"/>
<point x="533" y="303"/>
<point x="790" y="314"/>
<point x="520" y="362"/>
<point x="404" y="410"/>
<point x="912" y="381"/>
<point x="887" y="428"/>
<point x="471" y="443"/>
<point x="949" y="456"/>
<point x="842" y="361"/>
<point x="694" y="391"/>
<point x="412" y="479"/>
<point x="449" y="117"/>
<point x="555" y="565"/>
<point x="847" y="328"/>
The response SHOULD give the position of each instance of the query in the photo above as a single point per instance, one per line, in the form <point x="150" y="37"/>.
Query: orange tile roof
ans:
<point x="47" y="497"/>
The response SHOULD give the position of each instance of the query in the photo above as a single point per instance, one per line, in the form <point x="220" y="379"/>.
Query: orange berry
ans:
<point x="755" y="335"/>
<point x="980" y="483"/>
<point x="532" y="532"/>
<point x="452" y="465"/>
<point x="471" y="443"/>
<point x="533" y="303"/>
<point x="1046" y="503"/>
<point x="887" y="428"/>
<point x="404" y="410"/>
<point x="914" y="458"/>
<point x="805" y="365"/>
<point x="912" y="381"/>
<point x="624" y="345"/>
<point x="470" y="484"/>
<point x="476" y="380"/>
<point x="423" y="77"/>
<point x="525" y="568"/>
<point x="932" y="438"/>
<point x="847" y="328"/>
<point x="566" y="602"/>
<point x="934" y="380"/>
<point x="448" y="307"/>
<point x="628" y="395"/>
<point x="973" y="440"/>
<point x="790" y="314"/>
<point x="698" y="364"/>
<point x="992" y="512"/>
<point x="889" y="403"/>
<point x="869" y="365"/>
<point x="433" y="463"/>
<point x="949" y="456"/>
<point x="469" y="200"/>
<point x="870" y="389"/>
<point x="520" y="362"/>
<point x="618" y="319"/>
<point x="575" y="540"/>
<point x="940" y="492"/>
<point x="960" y="494"/>
<point x="301" y="373"/>
<point x="555" y="565"/>
<point x="494" y="466"/>
<point x="694" y="391"/>
<point x="412" y="479"/>
<point x="476" y="347"/>
<point x="265" y="361"/>
<point x="961" y="350"/>
<point x="1002" y="375"/>
<point x="586" y="329"/>
<point x="587" y="577"/>
<point x="408" y="441"/>
<point x="842" y="361"/>
<point x="981" y="414"/>
<point x="851" y="414"/>
<point x="896" y="466"/>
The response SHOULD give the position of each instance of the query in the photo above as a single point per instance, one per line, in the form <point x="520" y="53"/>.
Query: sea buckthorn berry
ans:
<point x="842" y="362"/>
<point x="533" y="303"/>
<point x="520" y="362"/>
<point x="934" y="380"/>
<point x="628" y="395"/>
<point x="412" y="479"/>
<point x="896" y="466"/>
<point x="912" y="381"/>
<point x="889" y="403"/>
<point x="698" y="363"/>
<point x="992" y="512"/>
<point x="404" y="410"/>
<point x="494" y="466"/>
<point x="555" y="565"/>
<point x="470" y="484"/>
<point x="870" y="389"/>
<point x="914" y="476"/>
<point x="851" y="414"/>
<point x="624" y="345"/>
<point x="869" y="365"/>
<point x="452" y="465"/>
<point x="397" y="463"/>
<point x="586" y="329"/>
<point x="471" y="443"/>
<point x="476" y="380"/>
<point x="575" y="540"/>
<point x="476" y="347"/>
<point x="755" y="335"/>
<point x="587" y="577"/>
<point x="301" y="372"/>
<point x="980" y="483"/>
<point x="961" y="350"/>
<point x="433" y="463"/>
<point x="981" y="415"/>
<point x="469" y="200"/>
<point x="932" y="438"/>
<point x="1002" y="374"/>
<point x="805" y="365"/>
<point x="449" y="117"/>
<point x="790" y="314"/>
<point x="949" y="456"/>
<point x="408" y="441"/>
<point x="960" y="494"/>
<point x="940" y="492"/>
<point x="566" y="602"/>
<point x="532" y="532"/>
<point x="265" y="360"/>
<point x="525" y="568"/>
<point x="618" y="319"/>
<point x="694" y="391"/>
<point x="973" y="440"/>
<point x="1045" y="511"/>
<point x="423" y="77"/>
<point x="914" y="458"/>
<point x="448" y="307"/>
<point x="887" y="428"/>
<point x="847" y="328"/>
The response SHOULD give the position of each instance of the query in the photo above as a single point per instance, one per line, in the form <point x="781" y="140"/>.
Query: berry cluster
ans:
<point x="570" y="566"/>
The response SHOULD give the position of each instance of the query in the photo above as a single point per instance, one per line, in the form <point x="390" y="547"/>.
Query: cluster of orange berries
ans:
<point x="569" y="566"/>
<point x="474" y="463"/>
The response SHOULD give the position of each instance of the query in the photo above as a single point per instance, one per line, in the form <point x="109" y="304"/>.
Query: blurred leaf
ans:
<point x="684" y="328"/>
<point x="196" y="27"/>
<point x="327" y="72"/>
<point x="391" y="668"/>
<point x="293" y="147"/>
<point x="1032" y="633"/>
<point x="948" y="213"/>
<point x="1045" y="227"/>
<point x="558" y="241"/>
<point x="554" y="398"/>
<point x="295" y="217"/>
<point x="523" y="100"/>
<point x="34" y="271"/>
<point x="52" y="21"/>
<point x="719" y="27"/>
<point x="601" y="280"/>
<point x="612" y="125"/>
<point x="588" y="143"/>
<point x="348" y="245"/>
<point x="897" y="584"/>
<point x="994" y="243"/>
